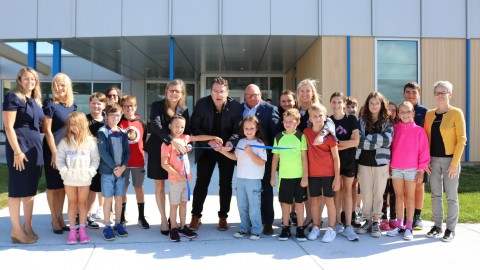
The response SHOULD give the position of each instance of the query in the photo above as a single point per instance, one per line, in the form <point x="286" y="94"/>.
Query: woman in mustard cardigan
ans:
<point x="445" y="127"/>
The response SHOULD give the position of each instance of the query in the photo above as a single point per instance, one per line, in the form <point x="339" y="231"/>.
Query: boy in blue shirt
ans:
<point x="114" y="155"/>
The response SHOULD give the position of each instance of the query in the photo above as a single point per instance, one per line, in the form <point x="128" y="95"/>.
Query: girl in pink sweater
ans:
<point x="410" y="158"/>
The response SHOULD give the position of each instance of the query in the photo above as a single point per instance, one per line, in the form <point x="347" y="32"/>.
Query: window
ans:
<point x="397" y="63"/>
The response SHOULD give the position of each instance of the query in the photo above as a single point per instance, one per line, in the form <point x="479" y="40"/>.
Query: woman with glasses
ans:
<point x="113" y="94"/>
<point x="445" y="127"/>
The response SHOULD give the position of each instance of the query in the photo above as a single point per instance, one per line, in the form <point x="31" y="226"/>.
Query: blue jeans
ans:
<point x="112" y="185"/>
<point x="248" y="201"/>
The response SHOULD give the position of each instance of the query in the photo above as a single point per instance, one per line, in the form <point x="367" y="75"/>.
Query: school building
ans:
<point x="353" y="46"/>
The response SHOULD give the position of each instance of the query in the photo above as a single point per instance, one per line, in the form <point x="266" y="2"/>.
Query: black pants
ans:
<point x="389" y="190"/>
<point x="205" y="167"/>
<point x="267" y="193"/>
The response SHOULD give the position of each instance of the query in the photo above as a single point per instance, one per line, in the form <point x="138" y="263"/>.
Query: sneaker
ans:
<point x="195" y="223"/>
<point x="350" y="234"/>
<point x="417" y="224"/>
<point x="293" y="218"/>
<point x="355" y="222"/>
<point x="254" y="236"/>
<point x="186" y="232"/>
<point x="174" y="236"/>
<point x="99" y="213"/>
<point x="142" y="222"/>
<point x="384" y="225"/>
<point x="448" y="236"/>
<point x="360" y="216"/>
<point x="313" y="235"/>
<point x="120" y="230"/>
<point x="72" y="237"/>
<point x="366" y="227"/>
<point x="408" y="235"/>
<point x="285" y="233"/>
<point x="394" y="232"/>
<point x="434" y="232"/>
<point x="239" y="234"/>
<point x="92" y="224"/>
<point x="338" y="228"/>
<point x="392" y="223"/>
<point x="329" y="235"/>
<point x="83" y="236"/>
<point x="222" y="224"/>
<point x="108" y="233"/>
<point x="376" y="230"/>
<point x="300" y="235"/>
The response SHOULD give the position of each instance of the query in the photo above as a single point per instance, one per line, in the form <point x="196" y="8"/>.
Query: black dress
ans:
<point x="27" y="127"/>
<point x="59" y="114"/>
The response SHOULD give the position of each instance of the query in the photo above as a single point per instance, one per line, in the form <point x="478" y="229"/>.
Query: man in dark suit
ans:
<point x="221" y="116"/>
<point x="270" y="124"/>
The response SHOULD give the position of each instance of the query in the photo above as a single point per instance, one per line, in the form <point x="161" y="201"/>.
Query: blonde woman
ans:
<point x="56" y="110"/>
<point x="22" y="114"/>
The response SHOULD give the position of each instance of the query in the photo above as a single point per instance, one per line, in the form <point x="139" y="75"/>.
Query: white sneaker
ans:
<point x="313" y="235"/>
<point x="393" y="233"/>
<point x="239" y="234"/>
<point x="99" y="213"/>
<point x="350" y="234"/>
<point x="329" y="235"/>
<point x="338" y="228"/>
<point x="254" y="237"/>
<point x="408" y="235"/>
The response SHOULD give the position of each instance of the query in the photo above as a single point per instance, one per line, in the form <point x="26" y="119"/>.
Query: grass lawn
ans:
<point x="469" y="194"/>
<point x="4" y="185"/>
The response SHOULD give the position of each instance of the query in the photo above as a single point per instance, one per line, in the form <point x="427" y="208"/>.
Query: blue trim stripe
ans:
<point x="57" y="57"/>
<point x="32" y="54"/>
<point x="172" y="50"/>
<point x="467" y="98"/>
<point x="349" y="74"/>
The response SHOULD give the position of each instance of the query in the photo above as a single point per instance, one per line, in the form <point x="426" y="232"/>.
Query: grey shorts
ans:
<point x="406" y="174"/>
<point x="178" y="192"/>
<point x="138" y="176"/>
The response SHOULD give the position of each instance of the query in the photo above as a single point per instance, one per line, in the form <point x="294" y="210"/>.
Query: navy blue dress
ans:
<point x="59" y="114"/>
<point x="27" y="127"/>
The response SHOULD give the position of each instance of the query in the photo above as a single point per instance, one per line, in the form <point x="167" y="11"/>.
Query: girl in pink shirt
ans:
<point x="410" y="158"/>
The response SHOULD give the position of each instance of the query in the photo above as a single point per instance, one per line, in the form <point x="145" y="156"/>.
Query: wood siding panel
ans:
<point x="334" y="71"/>
<point x="310" y="64"/>
<point x="362" y="62"/>
<point x="474" y="139"/>
<point x="443" y="60"/>
<point x="289" y="80"/>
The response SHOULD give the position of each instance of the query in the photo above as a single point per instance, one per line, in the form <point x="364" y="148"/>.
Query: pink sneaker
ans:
<point x="72" y="237"/>
<point x="83" y="236"/>
<point x="393" y="223"/>
<point x="384" y="225"/>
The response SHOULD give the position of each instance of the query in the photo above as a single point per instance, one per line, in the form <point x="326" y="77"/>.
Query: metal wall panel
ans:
<point x="246" y="17"/>
<point x="295" y="17"/>
<point x="346" y="18"/>
<point x="193" y="17"/>
<point x="145" y="17"/>
<point x="56" y="19"/>
<point x="99" y="18"/>
<point x="443" y="19"/>
<point x="473" y="19"/>
<point x="393" y="18"/>
<point x="18" y="20"/>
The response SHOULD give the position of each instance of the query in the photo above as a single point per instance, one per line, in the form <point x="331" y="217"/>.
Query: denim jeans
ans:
<point x="438" y="180"/>
<point x="248" y="201"/>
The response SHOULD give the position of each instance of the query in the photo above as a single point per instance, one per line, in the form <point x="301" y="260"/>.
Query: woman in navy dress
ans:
<point x="22" y="115"/>
<point x="56" y="110"/>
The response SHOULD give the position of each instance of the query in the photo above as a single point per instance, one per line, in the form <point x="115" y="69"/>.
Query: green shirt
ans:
<point x="291" y="165"/>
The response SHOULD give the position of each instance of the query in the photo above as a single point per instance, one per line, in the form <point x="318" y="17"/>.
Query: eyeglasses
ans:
<point x="221" y="92"/>
<point x="249" y="96"/>
<point x="128" y="106"/>
<point x="437" y="94"/>
<point x="112" y="95"/>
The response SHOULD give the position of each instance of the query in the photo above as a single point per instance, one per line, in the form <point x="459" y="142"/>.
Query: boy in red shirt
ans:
<point x="323" y="172"/>
<point x="135" y="129"/>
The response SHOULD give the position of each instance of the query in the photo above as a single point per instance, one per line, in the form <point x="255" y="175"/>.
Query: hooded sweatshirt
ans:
<point x="409" y="147"/>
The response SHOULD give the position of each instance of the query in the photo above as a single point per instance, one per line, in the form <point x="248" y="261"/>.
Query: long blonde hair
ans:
<point x="79" y="119"/>
<point x="312" y="85"/>
<point x="36" y="92"/>
<point x="68" y="88"/>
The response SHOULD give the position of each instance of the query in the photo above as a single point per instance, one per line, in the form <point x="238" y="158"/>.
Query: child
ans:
<point x="114" y="153"/>
<point x="77" y="161"/>
<point x="250" y="171"/>
<point x="373" y="154"/>
<point x="323" y="172"/>
<point x="178" y="167"/>
<point x="135" y="129"/>
<point x="346" y="129"/>
<point x="410" y="159"/>
<point x="389" y="194"/>
<point x="96" y="120"/>
<point x="293" y="172"/>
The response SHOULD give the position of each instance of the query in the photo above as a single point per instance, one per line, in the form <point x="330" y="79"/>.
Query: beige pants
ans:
<point x="373" y="181"/>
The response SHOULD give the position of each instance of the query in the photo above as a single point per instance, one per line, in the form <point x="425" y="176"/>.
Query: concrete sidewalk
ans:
<point x="148" y="249"/>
